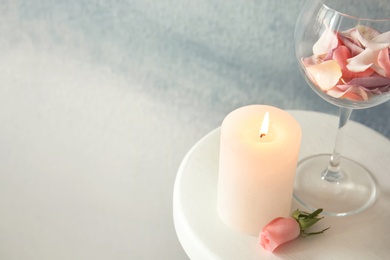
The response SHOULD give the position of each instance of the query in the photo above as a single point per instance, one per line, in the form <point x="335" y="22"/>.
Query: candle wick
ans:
<point x="262" y="135"/>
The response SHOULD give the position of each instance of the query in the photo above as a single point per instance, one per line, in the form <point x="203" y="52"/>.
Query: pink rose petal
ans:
<point x="341" y="55"/>
<point x="326" y="74"/>
<point x="312" y="60"/>
<point x="355" y="96"/>
<point x="384" y="62"/>
<point x="372" y="39"/>
<point x="352" y="46"/>
<point x="375" y="81"/>
<point x="362" y="61"/>
<point x="355" y="93"/>
<point x="327" y="41"/>
<point x="350" y="39"/>
<point x="365" y="33"/>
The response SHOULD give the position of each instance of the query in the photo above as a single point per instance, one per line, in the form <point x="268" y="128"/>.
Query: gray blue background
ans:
<point x="100" y="101"/>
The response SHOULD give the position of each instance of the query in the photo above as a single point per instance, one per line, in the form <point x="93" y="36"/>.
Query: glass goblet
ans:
<point x="343" y="49"/>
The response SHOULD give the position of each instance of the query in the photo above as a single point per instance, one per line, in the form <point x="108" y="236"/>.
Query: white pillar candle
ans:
<point x="256" y="171"/>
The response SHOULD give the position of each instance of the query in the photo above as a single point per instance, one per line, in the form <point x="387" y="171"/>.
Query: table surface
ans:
<point x="364" y="235"/>
<point x="100" y="101"/>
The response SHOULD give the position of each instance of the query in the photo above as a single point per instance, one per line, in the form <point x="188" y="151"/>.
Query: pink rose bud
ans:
<point x="279" y="231"/>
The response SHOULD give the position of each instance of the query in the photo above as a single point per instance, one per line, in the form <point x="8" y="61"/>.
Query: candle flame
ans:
<point x="264" y="125"/>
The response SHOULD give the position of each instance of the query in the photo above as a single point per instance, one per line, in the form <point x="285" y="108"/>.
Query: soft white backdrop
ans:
<point x="100" y="101"/>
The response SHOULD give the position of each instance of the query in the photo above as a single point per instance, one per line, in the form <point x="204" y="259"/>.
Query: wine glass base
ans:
<point x="353" y="194"/>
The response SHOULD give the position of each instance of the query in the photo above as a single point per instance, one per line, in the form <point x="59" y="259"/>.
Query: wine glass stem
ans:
<point x="333" y="172"/>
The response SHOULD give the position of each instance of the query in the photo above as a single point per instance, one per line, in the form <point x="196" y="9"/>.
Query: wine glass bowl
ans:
<point x="335" y="51"/>
<point x="343" y="51"/>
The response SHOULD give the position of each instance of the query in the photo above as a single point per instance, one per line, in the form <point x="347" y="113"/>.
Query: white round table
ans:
<point x="361" y="236"/>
